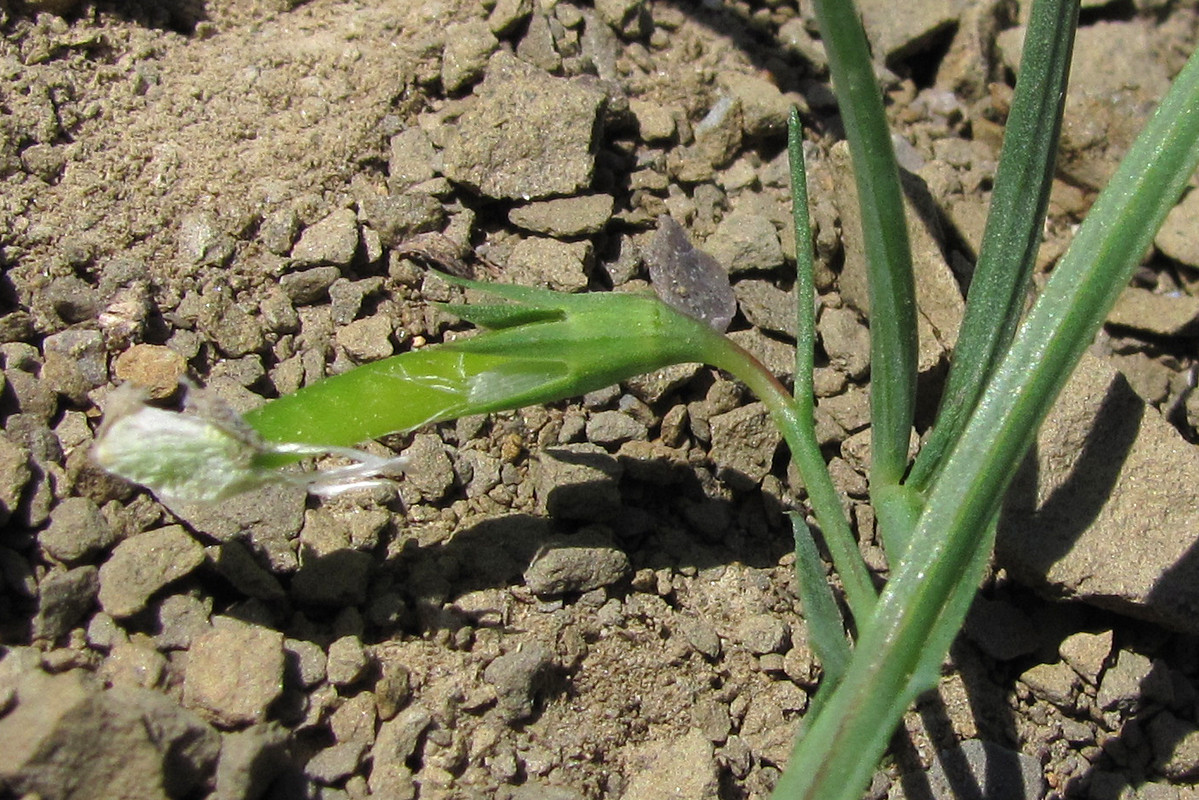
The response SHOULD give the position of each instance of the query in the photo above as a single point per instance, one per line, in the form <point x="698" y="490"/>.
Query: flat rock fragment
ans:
<point x="516" y="677"/>
<point x="578" y="563"/>
<point x="895" y="36"/>
<point x="234" y="673"/>
<point x="687" y="278"/>
<point x="1158" y="314"/>
<point x="673" y="770"/>
<point x="528" y="135"/>
<point x="1177" y="238"/>
<point x="69" y="739"/>
<point x="143" y="564"/>
<point x="1106" y="508"/>
<point x="564" y="216"/>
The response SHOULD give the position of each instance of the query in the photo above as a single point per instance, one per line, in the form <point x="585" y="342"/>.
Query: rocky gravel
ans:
<point x="590" y="600"/>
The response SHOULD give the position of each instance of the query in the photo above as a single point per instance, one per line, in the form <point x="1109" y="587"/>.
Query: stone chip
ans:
<point x="143" y="564"/>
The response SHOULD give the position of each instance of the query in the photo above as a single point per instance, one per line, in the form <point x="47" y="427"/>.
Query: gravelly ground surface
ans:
<point x="593" y="600"/>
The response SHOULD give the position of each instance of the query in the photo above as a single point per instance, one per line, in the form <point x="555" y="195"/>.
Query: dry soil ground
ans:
<point x="593" y="600"/>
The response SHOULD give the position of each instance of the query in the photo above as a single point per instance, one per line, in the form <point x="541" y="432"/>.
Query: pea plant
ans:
<point x="937" y="514"/>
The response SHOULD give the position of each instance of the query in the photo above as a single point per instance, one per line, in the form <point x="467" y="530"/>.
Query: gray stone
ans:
<point x="143" y="564"/>
<point x="767" y="306"/>
<point x="990" y="771"/>
<point x="655" y="122"/>
<point x="234" y="673"/>
<point x="134" y="663"/>
<point x="67" y="739"/>
<point x="666" y="769"/>
<point x="1108" y="515"/>
<point x="468" y="45"/>
<point x="394" y="745"/>
<point x="250" y="760"/>
<point x="577" y="481"/>
<point x="332" y="240"/>
<point x="398" y="217"/>
<point x="201" y="241"/>
<point x="579" y="563"/>
<point x="745" y="242"/>
<point x="536" y="790"/>
<point x="1158" y="314"/>
<point x="846" y="341"/>
<point x="76" y="531"/>
<point x="278" y="230"/>
<point x="347" y="661"/>
<point x="1000" y="630"/>
<point x="527" y="135"/>
<point x="764" y="109"/>
<point x="181" y="618"/>
<point x="536" y="46"/>
<point x="1087" y="653"/>
<point x="516" y="677"/>
<point x="63" y="598"/>
<point x="76" y="362"/>
<point x="412" y="155"/>
<point x="627" y="17"/>
<point x="309" y="285"/>
<point x="306" y="662"/>
<point x="1054" y="683"/>
<point x="235" y="331"/>
<point x="744" y="443"/>
<point x="335" y="763"/>
<point x="564" y="216"/>
<point x="18" y="575"/>
<point x="354" y="720"/>
<point x="429" y="469"/>
<point x="717" y="142"/>
<point x="762" y="633"/>
<point x="347" y="296"/>
<point x="366" y="340"/>
<point x="1120" y="686"/>
<point x="14" y="475"/>
<point x="850" y="409"/>
<point x="1176" y="238"/>
<point x="562" y="266"/>
<point x="700" y="634"/>
<point x="894" y="36"/>
<point x="508" y="14"/>
<point x="31" y="394"/>
<point x="614" y="427"/>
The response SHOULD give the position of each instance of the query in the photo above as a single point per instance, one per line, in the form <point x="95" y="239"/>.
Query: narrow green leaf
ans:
<point x="826" y="627"/>
<point x="884" y="228"/>
<point x="1013" y="233"/>
<point x="796" y="418"/>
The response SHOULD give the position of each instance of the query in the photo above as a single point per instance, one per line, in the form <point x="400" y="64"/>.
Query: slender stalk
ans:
<point x="885" y="234"/>
<point x="800" y="435"/>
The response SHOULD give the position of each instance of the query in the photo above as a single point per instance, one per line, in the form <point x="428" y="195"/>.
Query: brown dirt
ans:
<point x="187" y="174"/>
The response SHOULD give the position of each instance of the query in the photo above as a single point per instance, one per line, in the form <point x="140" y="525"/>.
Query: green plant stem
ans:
<point x="885" y="234"/>
<point x="1013" y="233"/>
<point x="800" y="434"/>
<point x="838" y="753"/>
<point x="826" y="626"/>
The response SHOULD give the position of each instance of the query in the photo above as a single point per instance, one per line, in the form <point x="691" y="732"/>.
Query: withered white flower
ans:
<point x="206" y="452"/>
